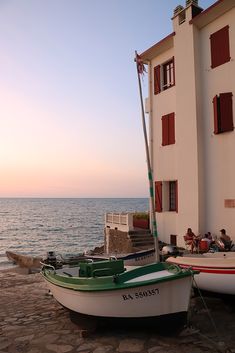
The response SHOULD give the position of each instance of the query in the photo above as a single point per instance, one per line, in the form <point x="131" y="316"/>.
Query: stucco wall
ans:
<point x="219" y="166"/>
<point x="203" y="163"/>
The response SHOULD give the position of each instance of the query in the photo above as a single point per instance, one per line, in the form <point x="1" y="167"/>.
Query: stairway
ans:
<point x="141" y="239"/>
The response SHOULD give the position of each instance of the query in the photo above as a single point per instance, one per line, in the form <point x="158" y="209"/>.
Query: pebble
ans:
<point x="31" y="321"/>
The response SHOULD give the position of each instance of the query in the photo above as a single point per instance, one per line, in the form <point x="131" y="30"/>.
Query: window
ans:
<point x="173" y="239"/>
<point x="168" y="129"/>
<point x="166" y="196"/>
<point x="223" y="113"/>
<point x="164" y="76"/>
<point x="220" y="52"/>
<point x="173" y="196"/>
<point x="168" y="74"/>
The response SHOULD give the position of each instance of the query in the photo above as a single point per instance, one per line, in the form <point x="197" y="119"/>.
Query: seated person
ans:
<point x="191" y="239"/>
<point x="205" y="243"/>
<point x="226" y="240"/>
<point x="209" y="236"/>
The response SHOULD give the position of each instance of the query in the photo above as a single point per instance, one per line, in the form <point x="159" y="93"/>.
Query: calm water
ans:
<point x="35" y="226"/>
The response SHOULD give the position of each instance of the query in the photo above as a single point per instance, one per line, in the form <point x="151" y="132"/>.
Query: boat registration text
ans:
<point x="141" y="295"/>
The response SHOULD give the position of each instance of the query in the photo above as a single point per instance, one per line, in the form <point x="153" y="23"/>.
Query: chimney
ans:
<point x="178" y="15"/>
<point x="178" y="9"/>
<point x="192" y="5"/>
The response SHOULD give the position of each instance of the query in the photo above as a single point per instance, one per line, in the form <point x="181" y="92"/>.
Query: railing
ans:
<point x="121" y="221"/>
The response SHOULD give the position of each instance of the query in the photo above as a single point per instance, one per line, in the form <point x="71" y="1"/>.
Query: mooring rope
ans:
<point x="206" y="307"/>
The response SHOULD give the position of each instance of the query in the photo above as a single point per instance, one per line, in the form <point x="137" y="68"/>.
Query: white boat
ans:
<point x="107" y="289"/>
<point x="217" y="270"/>
<point x="138" y="258"/>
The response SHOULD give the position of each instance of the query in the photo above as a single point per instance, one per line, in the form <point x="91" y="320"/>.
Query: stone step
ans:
<point x="139" y="231"/>
<point x="143" y="243"/>
<point x="140" y="236"/>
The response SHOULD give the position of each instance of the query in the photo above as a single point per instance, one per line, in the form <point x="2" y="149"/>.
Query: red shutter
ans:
<point x="216" y="115"/>
<point x="157" y="79"/>
<point x="158" y="196"/>
<point x="226" y="112"/>
<point x="220" y="52"/>
<point x="165" y="130"/>
<point x="171" y="128"/>
<point x="176" y="195"/>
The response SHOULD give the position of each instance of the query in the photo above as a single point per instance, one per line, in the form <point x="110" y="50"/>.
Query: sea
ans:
<point x="34" y="226"/>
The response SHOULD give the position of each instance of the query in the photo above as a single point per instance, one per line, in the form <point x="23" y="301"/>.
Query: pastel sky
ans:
<point x="70" y="121"/>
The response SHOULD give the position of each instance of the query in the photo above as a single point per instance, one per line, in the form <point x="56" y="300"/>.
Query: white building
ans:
<point x="192" y="138"/>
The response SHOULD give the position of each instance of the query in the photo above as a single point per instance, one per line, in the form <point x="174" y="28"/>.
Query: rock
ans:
<point x="59" y="348"/>
<point x="103" y="349"/>
<point x="24" y="338"/>
<point x="86" y="347"/>
<point x="4" y="344"/>
<point x="46" y="339"/>
<point x="188" y="331"/>
<point x="131" y="345"/>
<point x="156" y="349"/>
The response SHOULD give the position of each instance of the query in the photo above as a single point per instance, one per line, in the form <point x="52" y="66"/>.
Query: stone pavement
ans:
<point x="32" y="322"/>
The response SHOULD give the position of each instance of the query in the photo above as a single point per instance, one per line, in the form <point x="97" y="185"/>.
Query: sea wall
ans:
<point x="117" y="241"/>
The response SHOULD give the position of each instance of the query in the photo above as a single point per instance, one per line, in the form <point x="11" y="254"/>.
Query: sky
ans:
<point x="70" y="119"/>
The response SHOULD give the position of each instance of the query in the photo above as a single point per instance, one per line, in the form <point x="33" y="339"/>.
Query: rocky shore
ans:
<point x="31" y="321"/>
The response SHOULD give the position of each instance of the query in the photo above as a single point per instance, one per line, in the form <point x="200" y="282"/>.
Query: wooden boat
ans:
<point x="107" y="289"/>
<point x="138" y="258"/>
<point x="217" y="270"/>
<point x="24" y="260"/>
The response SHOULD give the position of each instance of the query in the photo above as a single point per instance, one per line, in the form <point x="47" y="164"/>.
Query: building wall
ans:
<point x="187" y="129"/>
<point x="201" y="162"/>
<point x="219" y="166"/>
<point x="163" y="157"/>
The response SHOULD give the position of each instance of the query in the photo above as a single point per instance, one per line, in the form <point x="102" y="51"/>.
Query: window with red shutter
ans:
<point x="168" y="129"/>
<point x="158" y="196"/>
<point x="157" y="79"/>
<point x="223" y="113"/>
<point x="220" y="52"/>
<point x="164" y="76"/>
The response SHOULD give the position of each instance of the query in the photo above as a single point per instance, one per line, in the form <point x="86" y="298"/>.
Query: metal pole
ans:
<point x="150" y="177"/>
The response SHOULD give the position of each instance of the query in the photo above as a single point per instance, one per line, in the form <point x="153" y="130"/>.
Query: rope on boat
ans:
<point x="206" y="307"/>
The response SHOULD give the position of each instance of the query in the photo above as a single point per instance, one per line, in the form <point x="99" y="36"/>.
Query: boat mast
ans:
<point x="140" y="70"/>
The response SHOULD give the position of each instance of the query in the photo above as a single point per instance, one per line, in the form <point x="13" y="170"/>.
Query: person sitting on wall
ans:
<point x="191" y="239"/>
<point x="226" y="240"/>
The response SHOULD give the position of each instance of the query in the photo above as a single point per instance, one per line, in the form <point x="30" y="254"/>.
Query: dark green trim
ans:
<point x="117" y="281"/>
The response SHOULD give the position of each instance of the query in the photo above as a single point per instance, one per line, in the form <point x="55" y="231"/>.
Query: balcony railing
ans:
<point x="121" y="221"/>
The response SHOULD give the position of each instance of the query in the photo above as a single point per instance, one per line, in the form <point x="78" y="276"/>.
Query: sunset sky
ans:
<point x="70" y="120"/>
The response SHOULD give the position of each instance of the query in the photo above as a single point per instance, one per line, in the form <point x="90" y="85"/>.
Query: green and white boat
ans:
<point x="108" y="289"/>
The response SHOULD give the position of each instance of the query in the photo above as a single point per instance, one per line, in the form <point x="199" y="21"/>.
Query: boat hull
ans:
<point x="217" y="274"/>
<point x="138" y="302"/>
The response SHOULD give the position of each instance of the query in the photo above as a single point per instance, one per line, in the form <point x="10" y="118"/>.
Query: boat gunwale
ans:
<point x="196" y="266"/>
<point x="115" y="282"/>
